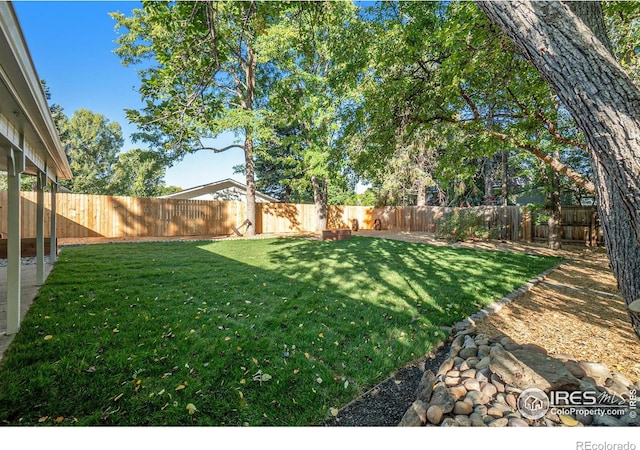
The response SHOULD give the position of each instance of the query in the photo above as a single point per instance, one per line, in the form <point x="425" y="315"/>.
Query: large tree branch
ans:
<point x="555" y="164"/>
<point x="221" y="149"/>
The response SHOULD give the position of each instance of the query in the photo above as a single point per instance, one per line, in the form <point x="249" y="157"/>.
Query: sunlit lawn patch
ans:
<point x="258" y="332"/>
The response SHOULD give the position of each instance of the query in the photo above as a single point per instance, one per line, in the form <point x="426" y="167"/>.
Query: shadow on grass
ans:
<point x="135" y="334"/>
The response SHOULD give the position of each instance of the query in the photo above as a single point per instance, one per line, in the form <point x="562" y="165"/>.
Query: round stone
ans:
<point x="511" y="401"/>
<point x="502" y="422"/>
<point x="473" y="362"/>
<point x="483" y="363"/>
<point x="449" y="422"/>
<point x="502" y="407"/>
<point x="469" y="373"/>
<point x="463" y="408"/>
<point x="501" y="398"/>
<point x="452" y="373"/>
<point x="495" y="412"/>
<point x="476" y="420"/>
<point x="489" y="390"/>
<point x="506" y="341"/>
<point x="468" y="352"/>
<point x="482" y="375"/>
<point x="452" y="381"/>
<point x="477" y="398"/>
<point x="434" y="414"/>
<point x="480" y="409"/>
<point x="471" y="384"/>
<point x="469" y="342"/>
<point x="458" y="391"/>
<point x="463" y="421"/>
<point x="517" y="422"/>
<point x="599" y="372"/>
<point x="483" y="351"/>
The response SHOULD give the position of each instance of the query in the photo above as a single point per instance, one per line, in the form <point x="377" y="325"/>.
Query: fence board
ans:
<point x="106" y="216"/>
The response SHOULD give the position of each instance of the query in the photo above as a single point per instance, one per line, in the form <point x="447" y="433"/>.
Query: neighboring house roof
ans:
<point x="228" y="190"/>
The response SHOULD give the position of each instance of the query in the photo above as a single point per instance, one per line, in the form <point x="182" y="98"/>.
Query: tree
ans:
<point x="429" y="64"/>
<point x="303" y="98"/>
<point x="565" y="37"/>
<point x="138" y="173"/>
<point x="201" y="76"/>
<point x="94" y="145"/>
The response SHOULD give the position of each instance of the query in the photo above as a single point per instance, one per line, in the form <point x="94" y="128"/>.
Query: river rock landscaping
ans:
<point x="480" y="382"/>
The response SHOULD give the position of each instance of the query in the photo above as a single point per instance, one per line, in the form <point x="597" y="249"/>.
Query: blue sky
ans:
<point x="71" y="44"/>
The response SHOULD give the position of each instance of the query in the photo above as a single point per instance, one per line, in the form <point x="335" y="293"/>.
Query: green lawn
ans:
<point x="257" y="332"/>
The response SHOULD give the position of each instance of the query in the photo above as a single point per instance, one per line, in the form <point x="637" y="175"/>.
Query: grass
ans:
<point x="257" y="332"/>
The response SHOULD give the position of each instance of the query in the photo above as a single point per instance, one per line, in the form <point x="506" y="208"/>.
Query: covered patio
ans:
<point x="29" y="145"/>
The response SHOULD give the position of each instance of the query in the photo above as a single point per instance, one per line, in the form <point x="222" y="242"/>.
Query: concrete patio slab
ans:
<point x="28" y="293"/>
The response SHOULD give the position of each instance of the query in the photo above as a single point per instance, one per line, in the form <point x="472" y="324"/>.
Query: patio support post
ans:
<point x="52" y="221"/>
<point x="41" y="181"/>
<point x="15" y="166"/>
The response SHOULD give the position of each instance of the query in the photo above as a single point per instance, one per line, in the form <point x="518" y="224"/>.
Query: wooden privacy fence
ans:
<point x="580" y="224"/>
<point x="106" y="216"/>
<point x="505" y="221"/>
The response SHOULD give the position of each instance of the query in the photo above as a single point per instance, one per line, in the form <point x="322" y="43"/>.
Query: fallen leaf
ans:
<point x="266" y="377"/>
<point x="255" y="361"/>
<point x="191" y="408"/>
<point x="319" y="380"/>
<point x="227" y="338"/>
<point x="91" y="369"/>
<point x="320" y="335"/>
<point x="296" y="371"/>
<point x="48" y="337"/>
<point x="118" y="397"/>
<point x="568" y="420"/>
<point x="241" y="394"/>
<point x="346" y="384"/>
<point x="59" y="419"/>
<point x="243" y="381"/>
<point x="192" y="331"/>
<point x="43" y="419"/>
<point x="180" y="387"/>
<point x="334" y="411"/>
<point x="306" y="355"/>
<point x="115" y="330"/>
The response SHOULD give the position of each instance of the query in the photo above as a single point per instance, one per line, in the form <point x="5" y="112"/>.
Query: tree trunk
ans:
<point x="488" y="181"/>
<point x="422" y="194"/>
<point x="249" y="67"/>
<point x="320" y="200"/>
<point x="603" y="101"/>
<point x="555" y="211"/>
<point x="251" y="184"/>
<point x="505" y="193"/>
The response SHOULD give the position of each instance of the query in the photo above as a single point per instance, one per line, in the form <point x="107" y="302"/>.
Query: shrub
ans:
<point x="463" y="225"/>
